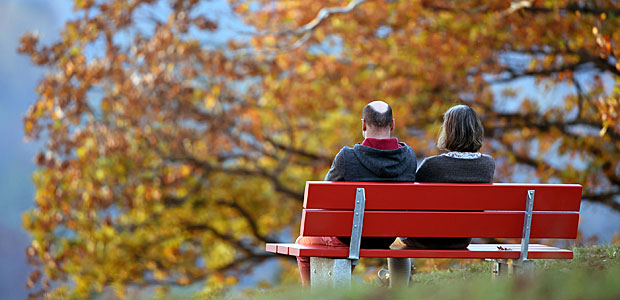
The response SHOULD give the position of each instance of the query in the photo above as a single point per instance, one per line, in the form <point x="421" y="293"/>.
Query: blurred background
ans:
<point x="156" y="145"/>
<point x="18" y="79"/>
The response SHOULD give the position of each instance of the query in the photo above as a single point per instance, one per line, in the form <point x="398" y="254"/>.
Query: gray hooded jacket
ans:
<point x="363" y="163"/>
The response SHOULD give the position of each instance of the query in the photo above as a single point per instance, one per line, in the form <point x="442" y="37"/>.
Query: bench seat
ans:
<point x="490" y="251"/>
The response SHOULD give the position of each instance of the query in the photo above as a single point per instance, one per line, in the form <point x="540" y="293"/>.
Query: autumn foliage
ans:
<point x="171" y="157"/>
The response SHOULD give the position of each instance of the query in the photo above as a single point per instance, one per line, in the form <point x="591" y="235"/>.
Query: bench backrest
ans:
<point x="441" y="209"/>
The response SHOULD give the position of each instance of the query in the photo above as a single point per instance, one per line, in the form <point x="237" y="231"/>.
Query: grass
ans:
<point x="594" y="273"/>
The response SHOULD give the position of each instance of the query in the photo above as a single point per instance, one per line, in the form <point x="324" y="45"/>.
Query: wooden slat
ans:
<point x="272" y="248"/>
<point x="442" y="196"/>
<point x="440" y="224"/>
<point x="536" y="251"/>
<point x="282" y="249"/>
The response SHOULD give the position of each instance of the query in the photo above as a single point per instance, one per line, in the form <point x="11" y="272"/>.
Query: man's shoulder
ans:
<point x="403" y="145"/>
<point x="345" y="149"/>
<point x="340" y="156"/>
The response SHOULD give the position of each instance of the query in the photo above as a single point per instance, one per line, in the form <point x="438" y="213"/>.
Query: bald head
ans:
<point x="379" y="106"/>
<point x="377" y="114"/>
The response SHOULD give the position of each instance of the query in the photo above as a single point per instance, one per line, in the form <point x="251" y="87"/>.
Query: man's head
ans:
<point x="377" y="121"/>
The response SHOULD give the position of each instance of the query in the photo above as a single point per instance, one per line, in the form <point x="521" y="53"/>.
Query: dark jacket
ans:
<point x="453" y="170"/>
<point x="363" y="163"/>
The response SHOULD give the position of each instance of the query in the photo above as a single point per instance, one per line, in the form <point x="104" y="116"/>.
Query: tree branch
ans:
<point x="573" y="8"/>
<point x="515" y="6"/>
<point x="527" y="6"/>
<point x="515" y="121"/>
<point x="516" y="74"/>
<point x="323" y="14"/>
<point x="580" y="97"/>
<point x="255" y="258"/>
<point x="585" y="57"/>
<point x="606" y="199"/>
<point x="526" y="159"/>
<point x="278" y="185"/>
<point x="432" y="5"/>
<point x="251" y="222"/>
<point x="223" y="236"/>
<point x="226" y="268"/>
<point x="297" y="151"/>
<point x="305" y="30"/>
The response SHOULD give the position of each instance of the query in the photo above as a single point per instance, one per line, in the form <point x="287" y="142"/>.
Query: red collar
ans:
<point x="382" y="144"/>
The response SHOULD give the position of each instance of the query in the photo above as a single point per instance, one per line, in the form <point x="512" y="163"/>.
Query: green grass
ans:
<point x="594" y="273"/>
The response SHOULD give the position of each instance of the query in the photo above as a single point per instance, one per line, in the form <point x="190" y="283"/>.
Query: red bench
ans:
<point x="366" y="209"/>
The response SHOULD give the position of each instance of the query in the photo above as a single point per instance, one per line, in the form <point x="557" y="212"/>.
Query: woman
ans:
<point x="461" y="136"/>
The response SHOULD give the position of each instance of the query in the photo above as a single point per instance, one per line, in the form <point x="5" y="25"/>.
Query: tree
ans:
<point x="170" y="159"/>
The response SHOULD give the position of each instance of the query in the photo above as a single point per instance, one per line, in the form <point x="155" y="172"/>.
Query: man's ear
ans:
<point x="392" y="126"/>
<point x="363" y="125"/>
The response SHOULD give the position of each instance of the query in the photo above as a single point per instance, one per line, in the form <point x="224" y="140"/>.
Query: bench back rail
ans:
<point x="442" y="196"/>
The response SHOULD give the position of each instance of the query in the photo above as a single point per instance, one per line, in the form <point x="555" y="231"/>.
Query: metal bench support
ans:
<point x="356" y="229"/>
<point x="521" y="266"/>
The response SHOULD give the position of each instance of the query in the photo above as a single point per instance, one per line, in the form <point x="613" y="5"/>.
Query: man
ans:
<point x="379" y="157"/>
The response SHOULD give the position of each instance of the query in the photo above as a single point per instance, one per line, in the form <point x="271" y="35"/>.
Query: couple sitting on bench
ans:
<point x="381" y="158"/>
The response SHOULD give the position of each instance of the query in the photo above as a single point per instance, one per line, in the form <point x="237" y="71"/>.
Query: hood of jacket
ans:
<point x="385" y="163"/>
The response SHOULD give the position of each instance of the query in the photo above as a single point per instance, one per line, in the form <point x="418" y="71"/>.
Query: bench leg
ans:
<point x="524" y="268"/>
<point x="400" y="271"/>
<point x="502" y="267"/>
<point x="330" y="272"/>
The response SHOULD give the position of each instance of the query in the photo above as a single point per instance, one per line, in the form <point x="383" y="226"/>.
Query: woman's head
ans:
<point x="461" y="130"/>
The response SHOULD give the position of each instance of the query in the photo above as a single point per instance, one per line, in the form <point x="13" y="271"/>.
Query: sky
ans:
<point x="18" y="79"/>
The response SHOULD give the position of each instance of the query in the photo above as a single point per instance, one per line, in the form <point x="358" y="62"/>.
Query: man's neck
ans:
<point x="374" y="135"/>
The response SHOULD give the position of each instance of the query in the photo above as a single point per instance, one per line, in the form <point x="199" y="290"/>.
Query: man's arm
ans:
<point x="336" y="172"/>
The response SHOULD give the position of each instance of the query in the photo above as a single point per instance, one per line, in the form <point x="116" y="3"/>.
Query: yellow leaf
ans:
<point x="603" y="130"/>
<point x="303" y="68"/>
<point x="186" y="170"/>
<point x="210" y="101"/>
<point x="182" y="192"/>
<point x="100" y="174"/>
<point x="29" y="126"/>
<point x="215" y="90"/>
